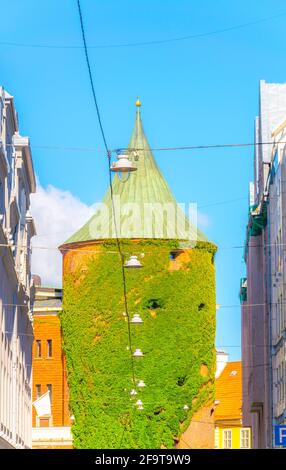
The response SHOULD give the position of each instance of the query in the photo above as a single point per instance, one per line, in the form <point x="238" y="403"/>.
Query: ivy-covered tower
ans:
<point x="174" y="293"/>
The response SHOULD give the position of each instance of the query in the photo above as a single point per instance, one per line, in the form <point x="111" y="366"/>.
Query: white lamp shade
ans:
<point x="138" y="353"/>
<point x="133" y="262"/>
<point x="133" y="392"/>
<point x="123" y="165"/>
<point x="136" y="319"/>
<point x="141" y="384"/>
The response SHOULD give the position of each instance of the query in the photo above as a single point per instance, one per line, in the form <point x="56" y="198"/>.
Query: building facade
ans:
<point x="17" y="182"/>
<point x="263" y="290"/>
<point x="229" y="430"/>
<point x="49" y="371"/>
<point x="172" y="348"/>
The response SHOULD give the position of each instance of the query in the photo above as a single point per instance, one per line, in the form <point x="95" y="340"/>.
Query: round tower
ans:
<point x="173" y="294"/>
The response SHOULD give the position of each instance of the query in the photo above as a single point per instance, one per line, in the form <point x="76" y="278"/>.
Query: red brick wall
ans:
<point x="200" y="433"/>
<point x="51" y="370"/>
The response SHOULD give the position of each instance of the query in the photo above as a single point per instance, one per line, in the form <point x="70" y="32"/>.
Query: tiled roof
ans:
<point x="229" y="392"/>
<point x="145" y="187"/>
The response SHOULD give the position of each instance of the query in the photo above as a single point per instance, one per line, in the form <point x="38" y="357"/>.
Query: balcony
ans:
<point x="53" y="436"/>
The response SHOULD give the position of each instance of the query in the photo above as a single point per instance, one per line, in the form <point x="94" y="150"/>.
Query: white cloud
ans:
<point x="57" y="214"/>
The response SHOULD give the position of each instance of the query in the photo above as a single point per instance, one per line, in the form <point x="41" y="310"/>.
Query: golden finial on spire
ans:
<point x="138" y="102"/>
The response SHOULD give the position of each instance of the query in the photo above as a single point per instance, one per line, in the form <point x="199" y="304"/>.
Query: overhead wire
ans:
<point x="122" y="260"/>
<point x="147" y="43"/>
<point x="219" y="346"/>
<point x="142" y="251"/>
<point x="156" y="149"/>
<point x="244" y="304"/>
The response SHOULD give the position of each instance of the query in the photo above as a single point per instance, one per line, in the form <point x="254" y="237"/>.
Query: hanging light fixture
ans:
<point x="136" y="319"/>
<point x="141" y="384"/>
<point x="139" y="405"/>
<point x="138" y="353"/>
<point x="123" y="165"/>
<point x="186" y="407"/>
<point x="133" y="392"/>
<point x="133" y="262"/>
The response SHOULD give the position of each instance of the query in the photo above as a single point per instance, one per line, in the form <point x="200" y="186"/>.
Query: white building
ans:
<point x="277" y="210"/>
<point x="263" y="292"/>
<point x="17" y="182"/>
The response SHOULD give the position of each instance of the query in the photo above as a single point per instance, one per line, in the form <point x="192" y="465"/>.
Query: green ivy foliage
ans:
<point x="177" y="337"/>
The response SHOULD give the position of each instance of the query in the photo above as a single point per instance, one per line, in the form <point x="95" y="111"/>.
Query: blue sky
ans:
<point x="197" y="91"/>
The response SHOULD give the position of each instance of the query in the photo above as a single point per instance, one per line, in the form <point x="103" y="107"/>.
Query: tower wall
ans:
<point x="176" y="299"/>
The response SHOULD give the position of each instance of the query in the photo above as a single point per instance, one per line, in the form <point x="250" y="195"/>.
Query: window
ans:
<point x="233" y="373"/>
<point x="227" y="439"/>
<point x="38" y="391"/>
<point x="50" y="389"/>
<point x="174" y="255"/>
<point x="244" y="439"/>
<point x="49" y="348"/>
<point x="38" y="348"/>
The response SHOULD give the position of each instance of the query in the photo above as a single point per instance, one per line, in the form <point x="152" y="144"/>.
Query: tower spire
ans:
<point x="145" y="188"/>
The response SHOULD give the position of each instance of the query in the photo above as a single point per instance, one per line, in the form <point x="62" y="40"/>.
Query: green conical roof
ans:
<point x="144" y="204"/>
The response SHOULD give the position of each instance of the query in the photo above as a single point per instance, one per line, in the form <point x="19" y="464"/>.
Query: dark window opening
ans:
<point x="38" y="391"/>
<point x="181" y="380"/>
<point x="49" y="348"/>
<point x="154" y="303"/>
<point x="201" y="306"/>
<point x="50" y="389"/>
<point x="38" y="348"/>
<point x="175" y="254"/>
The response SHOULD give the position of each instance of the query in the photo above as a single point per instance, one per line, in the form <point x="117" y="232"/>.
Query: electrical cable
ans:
<point x="90" y="76"/>
<point x="219" y="306"/>
<point x="156" y="149"/>
<point x="111" y="188"/>
<point x="121" y="440"/>
<point x="148" y="43"/>
<point x="85" y="250"/>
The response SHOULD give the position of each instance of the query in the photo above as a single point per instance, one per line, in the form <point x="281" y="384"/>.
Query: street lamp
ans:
<point x="139" y="405"/>
<point x="136" y="319"/>
<point x="133" y="262"/>
<point x="138" y="353"/>
<point x="123" y="165"/>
